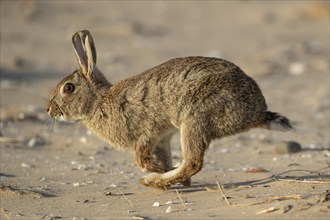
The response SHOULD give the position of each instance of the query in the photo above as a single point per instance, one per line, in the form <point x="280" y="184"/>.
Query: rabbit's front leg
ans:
<point x="146" y="161"/>
<point x="154" y="157"/>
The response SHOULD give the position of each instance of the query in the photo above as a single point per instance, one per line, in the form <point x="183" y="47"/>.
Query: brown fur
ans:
<point x="204" y="98"/>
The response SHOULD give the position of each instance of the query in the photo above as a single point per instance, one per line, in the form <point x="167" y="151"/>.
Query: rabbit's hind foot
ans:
<point x="165" y="180"/>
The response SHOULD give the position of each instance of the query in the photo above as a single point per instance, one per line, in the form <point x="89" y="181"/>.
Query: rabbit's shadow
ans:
<point x="198" y="187"/>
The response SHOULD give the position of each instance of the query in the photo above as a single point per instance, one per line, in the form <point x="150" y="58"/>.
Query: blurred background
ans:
<point x="134" y="35"/>
<point x="271" y="39"/>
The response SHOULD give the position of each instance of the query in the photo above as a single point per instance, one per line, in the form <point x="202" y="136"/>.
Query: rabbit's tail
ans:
<point x="275" y="121"/>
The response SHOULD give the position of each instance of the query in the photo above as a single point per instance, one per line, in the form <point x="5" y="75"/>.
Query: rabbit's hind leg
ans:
<point x="164" y="156"/>
<point x="194" y="142"/>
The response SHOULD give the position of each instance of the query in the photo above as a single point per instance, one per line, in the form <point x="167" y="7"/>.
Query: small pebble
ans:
<point x="89" y="132"/>
<point x="287" y="147"/>
<point x="224" y="151"/>
<point x="138" y="217"/>
<point x="83" y="140"/>
<point x="107" y="193"/>
<point x="287" y="208"/>
<point x="36" y="141"/>
<point x="296" y="68"/>
<point x="316" y="146"/>
<point x="21" y="116"/>
<point x="326" y="153"/>
<point x="25" y="165"/>
<point x="156" y="204"/>
<point x="168" y="203"/>
<point x="81" y="166"/>
<point x="32" y="142"/>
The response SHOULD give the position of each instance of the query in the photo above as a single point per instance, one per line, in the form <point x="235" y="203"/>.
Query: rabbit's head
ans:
<point x="77" y="96"/>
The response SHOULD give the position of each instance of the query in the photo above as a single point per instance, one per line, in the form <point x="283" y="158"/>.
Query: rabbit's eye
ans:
<point x="68" y="88"/>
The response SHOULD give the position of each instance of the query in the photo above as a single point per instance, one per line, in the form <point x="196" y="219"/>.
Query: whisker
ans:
<point x="49" y="128"/>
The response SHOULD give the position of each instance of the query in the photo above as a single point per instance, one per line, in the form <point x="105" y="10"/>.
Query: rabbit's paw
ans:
<point x="155" y="180"/>
<point x="150" y="164"/>
<point x="154" y="166"/>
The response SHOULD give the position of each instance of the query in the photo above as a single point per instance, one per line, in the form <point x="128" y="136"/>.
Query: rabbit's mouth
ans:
<point x="61" y="118"/>
<point x="55" y="112"/>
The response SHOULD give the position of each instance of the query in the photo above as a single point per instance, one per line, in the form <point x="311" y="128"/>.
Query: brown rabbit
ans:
<point x="204" y="98"/>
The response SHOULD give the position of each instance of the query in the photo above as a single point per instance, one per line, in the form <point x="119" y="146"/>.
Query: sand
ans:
<point x="63" y="171"/>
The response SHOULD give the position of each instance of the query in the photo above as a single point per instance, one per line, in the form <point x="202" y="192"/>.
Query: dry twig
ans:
<point x="274" y="198"/>
<point x="181" y="199"/>
<point x="271" y="209"/>
<point x="123" y="194"/>
<point x="306" y="181"/>
<point x="221" y="190"/>
<point x="11" y="140"/>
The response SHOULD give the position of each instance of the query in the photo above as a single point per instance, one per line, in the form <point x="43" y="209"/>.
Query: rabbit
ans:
<point x="203" y="98"/>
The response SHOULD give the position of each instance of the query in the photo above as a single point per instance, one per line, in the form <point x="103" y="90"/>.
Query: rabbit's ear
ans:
<point x="85" y="51"/>
<point x="89" y="43"/>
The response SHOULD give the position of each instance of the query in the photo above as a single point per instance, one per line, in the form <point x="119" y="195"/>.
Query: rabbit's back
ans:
<point x="214" y="90"/>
